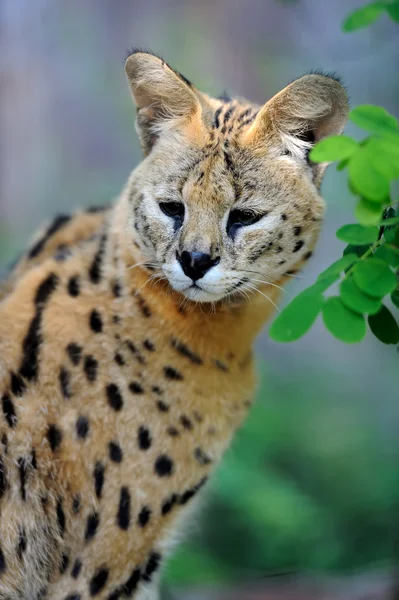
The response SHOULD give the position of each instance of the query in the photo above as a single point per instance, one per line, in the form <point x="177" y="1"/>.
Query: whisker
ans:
<point x="254" y="289"/>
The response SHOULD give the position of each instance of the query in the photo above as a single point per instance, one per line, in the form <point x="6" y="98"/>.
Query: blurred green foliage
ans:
<point x="308" y="485"/>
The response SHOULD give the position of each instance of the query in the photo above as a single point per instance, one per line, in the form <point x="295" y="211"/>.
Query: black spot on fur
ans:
<point x="55" y="226"/>
<point x="64" y="378"/>
<point x="61" y="518"/>
<point x="74" y="352"/>
<point x="284" y="217"/>
<point x="96" y="265"/>
<point x="116" y="289"/>
<point x="308" y="255"/>
<point x="98" y="474"/>
<point x="9" y="410"/>
<point x="77" y="567"/>
<point x="144" y="516"/>
<point x="73" y="286"/>
<point x="135" y="387"/>
<point x="3" y="564"/>
<point x="18" y="386"/>
<point x="202" y="457"/>
<point x="298" y="245"/>
<point x="90" y="367"/>
<point x="22" y="543"/>
<point x="123" y="516"/>
<point x="186" y="351"/>
<point x="172" y="374"/>
<point x="152" y="565"/>
<point x="22" y="467"/>
<point x="145" y="309"/>
<point x="54" y="436"/>
<point x="148" y="345"/>
<point x="164" y="466"/>
<point x="128" y="587"/>
<point x="45" y="289"/>
<point x="169" y="504"/>
<point x="92" y="524"/>
<point x="144" y="438"/>
<point x="162" y="406"/>
<point x="216" y="116"/>
<point x="220" y="365"/>
<point x="172" y="431"/>
<point x="132" y="582"/>
<point x="297" y="230"/>
<point x="157" y="390"/>
<point x="186" y="422"/>
<point x="114" y="396"/>
<point x="118" y="358"/>
<point x="98" y="581"/>
<point x="228" y="114"/>
<point x="3" y="479"/>
<point x="64" y="563"/>
<point x="76" y="505"/>
<point x="96" y="323"/>
<point x="29" y="368"/>
<point x="82" y="427"/>
<point x="190" y="493"/>
<point x="115" y="452"/>
<point x="73" y="597"/>
<point x="244" y="115"/>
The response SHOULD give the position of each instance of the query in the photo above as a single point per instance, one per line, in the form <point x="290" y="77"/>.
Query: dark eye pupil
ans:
<point x="172" y="209"/>
<point x="243" y="217"/>
<point x="240" y="218"/>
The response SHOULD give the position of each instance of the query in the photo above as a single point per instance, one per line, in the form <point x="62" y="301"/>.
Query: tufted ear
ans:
<point x="309" y="109"/>
<point x="163" y="97"/>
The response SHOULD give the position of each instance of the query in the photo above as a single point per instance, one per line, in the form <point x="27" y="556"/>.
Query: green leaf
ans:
<point x="383" y="155"/>
<point x="391" y="234"/>
<point x="338" y="267"/>
<point x="323" y="283"/>
<point x="367" y="213"/>
<point x="384" y="326"/>
<point x="363" y="17"/>
<point x="336" y="147"/>
<point x="389" y="254"/>
<point x="395" y="297"/>
<point x="393" y="11"/>
<point x="358" y="250"/>
<point x="343" y="323"/>
<point x="391" y="221"/>
<point x="356" y="300"/>
<point x="373" y="118"/>
<point x="298" y="317"/>
<point x="342" y="164"/>
<point x="365" y="179"/>
<point x="374" y="277"/>
<point x="357" y="234"/>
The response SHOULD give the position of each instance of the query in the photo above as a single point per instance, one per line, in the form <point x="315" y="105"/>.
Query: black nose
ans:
<point x="196" y="264"/>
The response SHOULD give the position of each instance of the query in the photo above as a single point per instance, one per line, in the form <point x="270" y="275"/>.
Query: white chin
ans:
<point x="197" y="294"/>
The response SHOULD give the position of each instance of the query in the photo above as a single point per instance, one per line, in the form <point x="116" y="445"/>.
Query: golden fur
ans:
<point x="121" y="384"/>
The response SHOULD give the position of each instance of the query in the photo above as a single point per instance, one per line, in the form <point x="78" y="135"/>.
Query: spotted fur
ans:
<point x="121" y="385"/>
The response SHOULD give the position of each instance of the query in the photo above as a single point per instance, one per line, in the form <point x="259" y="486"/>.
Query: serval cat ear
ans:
<point x="163" y="96"/>
<point x="310" y="108"/>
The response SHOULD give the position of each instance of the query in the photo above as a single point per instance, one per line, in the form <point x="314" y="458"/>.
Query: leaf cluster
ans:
<point x="367" y="273"/>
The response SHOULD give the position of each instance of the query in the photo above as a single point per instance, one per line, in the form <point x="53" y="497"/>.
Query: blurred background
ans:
<point x="306" y="503"/>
